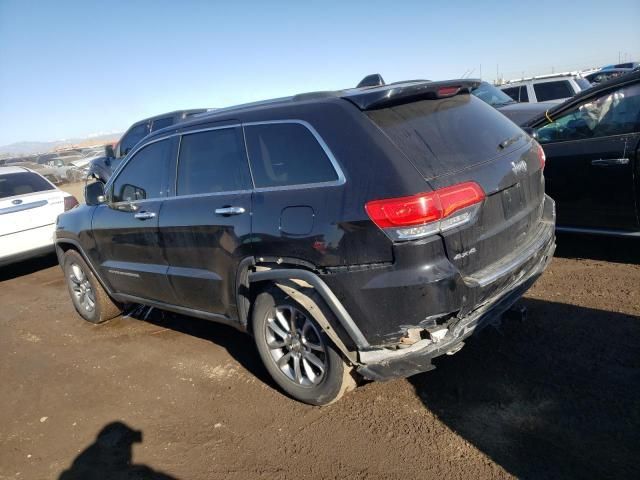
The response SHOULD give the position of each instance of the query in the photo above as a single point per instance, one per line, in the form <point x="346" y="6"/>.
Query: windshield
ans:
<point x="491" y="95"/>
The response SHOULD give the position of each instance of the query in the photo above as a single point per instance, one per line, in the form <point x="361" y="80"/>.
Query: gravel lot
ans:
<point x="154" y="395"/>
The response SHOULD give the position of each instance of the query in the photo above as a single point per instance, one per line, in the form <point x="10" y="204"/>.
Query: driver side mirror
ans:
<point x="533" y="133"/>
<point x="108" y="151"/>
<point x="94" y="193"/>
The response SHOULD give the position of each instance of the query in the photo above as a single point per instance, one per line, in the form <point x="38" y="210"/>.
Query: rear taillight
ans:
<point x="448" y="91"/>
<point x="417" y="216"/>
<point x="541" y="156"/>
<point x="70" y="202"/>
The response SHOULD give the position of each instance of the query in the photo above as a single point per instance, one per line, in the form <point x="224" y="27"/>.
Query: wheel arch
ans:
<point x="299" y="280"/>
<point x="63" y="245"/>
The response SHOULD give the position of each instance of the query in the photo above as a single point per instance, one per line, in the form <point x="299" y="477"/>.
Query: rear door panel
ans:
<point x="203" y="248"/>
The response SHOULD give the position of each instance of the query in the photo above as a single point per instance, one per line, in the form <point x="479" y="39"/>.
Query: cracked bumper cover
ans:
<point x="386" y="364"/>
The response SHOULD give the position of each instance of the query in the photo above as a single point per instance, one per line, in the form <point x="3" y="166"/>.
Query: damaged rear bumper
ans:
<point x="387" y="363"/>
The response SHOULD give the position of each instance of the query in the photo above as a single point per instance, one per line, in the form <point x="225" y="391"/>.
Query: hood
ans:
<point x="521" y="113"/>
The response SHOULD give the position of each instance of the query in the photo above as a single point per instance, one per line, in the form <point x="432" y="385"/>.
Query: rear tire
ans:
<point x="296" y="352"/>
<point x="90" y="300"/>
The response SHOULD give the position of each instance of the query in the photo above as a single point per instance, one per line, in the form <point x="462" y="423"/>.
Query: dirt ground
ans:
<point x="154" y="395"/>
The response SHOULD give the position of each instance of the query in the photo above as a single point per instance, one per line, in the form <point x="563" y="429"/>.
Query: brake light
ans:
<point x="541" y="156"/>
<point x="448" y="91"/>
<point x="417" y="216"/>
<point x="70" y="202"/>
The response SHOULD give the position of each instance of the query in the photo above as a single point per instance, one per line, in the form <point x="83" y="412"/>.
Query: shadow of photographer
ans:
<point x="110" y="456"/>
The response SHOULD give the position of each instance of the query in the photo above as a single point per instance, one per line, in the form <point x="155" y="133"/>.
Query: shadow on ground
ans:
<point x="556" y="395"/>
<point x="609" y="249"/>
<point x="239" y="345"/>
<point x="110" y="457"/>
<point x="27" y="267"/>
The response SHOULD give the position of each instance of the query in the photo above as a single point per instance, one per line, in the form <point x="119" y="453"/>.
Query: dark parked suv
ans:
<point x="363" y="231"/>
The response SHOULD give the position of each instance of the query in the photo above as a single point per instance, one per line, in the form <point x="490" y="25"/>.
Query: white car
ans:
<point x="29" y="207"/>
<point x="545" y="88"/>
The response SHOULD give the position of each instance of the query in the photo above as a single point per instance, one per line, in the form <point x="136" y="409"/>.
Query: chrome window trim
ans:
<point x="341" y="180"/>
<point x="210" y="194"/>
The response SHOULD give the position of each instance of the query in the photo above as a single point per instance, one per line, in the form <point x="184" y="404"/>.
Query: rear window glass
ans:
<point x="444" y="136"/>
<point x="161" y="123"/>
<point x="491" y="95"/>
<point x="13" y="184"/>
<point x="285" y="154"/>
<point x="552" y="90"/>
<point x="132" y="138"/>
<point x="583" y="83"/>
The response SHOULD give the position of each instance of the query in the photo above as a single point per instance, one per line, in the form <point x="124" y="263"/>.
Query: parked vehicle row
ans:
<point x="357" y="233"/>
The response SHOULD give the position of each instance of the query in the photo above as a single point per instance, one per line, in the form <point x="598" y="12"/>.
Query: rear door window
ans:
<point x="132" y="137"/>
<point x="213" y="162"/>
<point x="512" y="92"/>
<point x="443" y="136"/>
<point x="519" y="94"/>
<point x="287" y="154"/>
<point x="22" y="183"/>
<point x="161" y="123"/>
<point x="553" y="90"/>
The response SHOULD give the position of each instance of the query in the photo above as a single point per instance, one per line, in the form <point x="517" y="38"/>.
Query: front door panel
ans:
<point x="129" y="251"/>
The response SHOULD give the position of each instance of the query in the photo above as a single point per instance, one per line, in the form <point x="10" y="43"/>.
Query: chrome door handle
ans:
<point x="609" y="162"/>
<point x="144" y="215"/>
<point x="230" y="211"/>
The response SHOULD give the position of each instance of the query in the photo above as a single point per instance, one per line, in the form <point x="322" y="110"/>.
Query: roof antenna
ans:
<point x="373" y="80"/>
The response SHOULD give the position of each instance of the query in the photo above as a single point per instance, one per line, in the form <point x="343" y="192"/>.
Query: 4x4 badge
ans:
<point x="519" y="167"/>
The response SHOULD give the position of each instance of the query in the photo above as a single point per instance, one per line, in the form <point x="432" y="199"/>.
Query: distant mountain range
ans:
<point x="27" y="148"/>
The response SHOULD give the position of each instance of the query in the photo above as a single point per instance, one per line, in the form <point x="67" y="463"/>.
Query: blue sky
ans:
<point x="73" y="68"/>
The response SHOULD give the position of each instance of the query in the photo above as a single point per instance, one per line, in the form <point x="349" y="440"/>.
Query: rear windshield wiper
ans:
<point x="509" y="141"/>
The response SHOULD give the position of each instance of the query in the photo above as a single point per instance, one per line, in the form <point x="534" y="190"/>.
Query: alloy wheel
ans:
<point x="296" y="346"/>
<point x="81" y="287"/>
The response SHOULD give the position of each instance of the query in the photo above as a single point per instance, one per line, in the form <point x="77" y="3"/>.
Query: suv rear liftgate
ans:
<point x="502" y="244"/>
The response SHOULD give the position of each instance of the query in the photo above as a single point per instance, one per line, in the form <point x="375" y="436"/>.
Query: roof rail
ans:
<point x="539" y="77"/>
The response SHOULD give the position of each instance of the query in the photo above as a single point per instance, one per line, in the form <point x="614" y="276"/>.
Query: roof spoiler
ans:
<point x="407" y="92"/>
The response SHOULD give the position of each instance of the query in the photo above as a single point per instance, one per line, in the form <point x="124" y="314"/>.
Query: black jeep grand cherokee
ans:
<point x="361" y="231"/>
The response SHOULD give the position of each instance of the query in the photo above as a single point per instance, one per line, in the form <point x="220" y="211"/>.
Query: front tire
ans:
<point x="296" y="352"/>
<point x="90" y="300"/>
